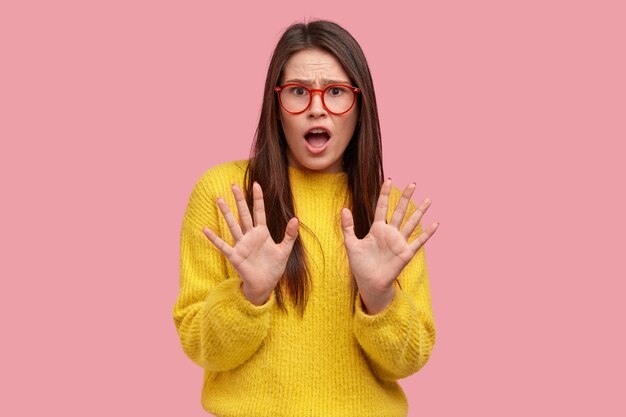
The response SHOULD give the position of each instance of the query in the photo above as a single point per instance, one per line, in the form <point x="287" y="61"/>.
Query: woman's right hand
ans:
<point x="259" y="261"/>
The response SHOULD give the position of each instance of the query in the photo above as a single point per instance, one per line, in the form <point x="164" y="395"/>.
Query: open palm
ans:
<point x="259" y="261"/>
<point x="378" y="258"/>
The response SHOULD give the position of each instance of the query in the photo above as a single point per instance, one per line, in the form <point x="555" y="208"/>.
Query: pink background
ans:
<point x="510" y="116"/>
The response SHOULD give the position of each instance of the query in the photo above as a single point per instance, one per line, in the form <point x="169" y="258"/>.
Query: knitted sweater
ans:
<point x="261" y="362"/>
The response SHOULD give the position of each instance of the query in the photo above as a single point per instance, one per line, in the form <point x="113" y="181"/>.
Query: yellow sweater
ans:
<point x="260" y="362"/>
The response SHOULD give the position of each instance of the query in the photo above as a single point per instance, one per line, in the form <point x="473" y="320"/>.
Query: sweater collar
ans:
<point x="317" y="179"/>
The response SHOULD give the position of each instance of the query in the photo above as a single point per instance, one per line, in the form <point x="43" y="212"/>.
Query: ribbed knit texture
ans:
<point x="261" y="362"/>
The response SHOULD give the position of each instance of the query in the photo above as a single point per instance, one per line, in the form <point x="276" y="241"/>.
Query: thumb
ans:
<point x="291" y="233"/>
<point x="347" y="225"/>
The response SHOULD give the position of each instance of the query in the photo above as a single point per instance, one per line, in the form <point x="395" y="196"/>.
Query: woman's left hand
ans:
<point x="378" y="258"/>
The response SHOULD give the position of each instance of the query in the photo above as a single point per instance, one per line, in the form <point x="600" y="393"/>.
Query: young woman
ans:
<point x="324" y="322"/>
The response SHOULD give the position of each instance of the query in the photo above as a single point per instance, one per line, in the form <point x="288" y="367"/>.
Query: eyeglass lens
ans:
<point x="338" y="99"/>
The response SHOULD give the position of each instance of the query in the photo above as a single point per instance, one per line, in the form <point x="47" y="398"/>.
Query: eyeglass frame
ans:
<point x="355" y="91"/>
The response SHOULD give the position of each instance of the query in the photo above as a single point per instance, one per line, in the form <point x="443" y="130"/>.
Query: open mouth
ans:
<point x="317" y="138"/>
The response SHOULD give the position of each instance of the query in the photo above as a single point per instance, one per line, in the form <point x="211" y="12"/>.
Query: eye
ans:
<point x="297" y="91"/>
<point x="336" y="91"/>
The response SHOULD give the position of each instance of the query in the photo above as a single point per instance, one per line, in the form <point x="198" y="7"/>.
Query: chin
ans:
<point x="323" y="167"/>
<point x="313" y="163"/>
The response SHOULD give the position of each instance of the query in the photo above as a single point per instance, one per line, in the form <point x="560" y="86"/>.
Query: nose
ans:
<point x="316" y="108"/>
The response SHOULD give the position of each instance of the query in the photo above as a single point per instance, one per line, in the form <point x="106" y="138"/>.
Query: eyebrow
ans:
<point x="324" y="81"/>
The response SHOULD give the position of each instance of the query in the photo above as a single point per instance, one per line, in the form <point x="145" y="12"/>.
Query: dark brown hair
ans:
<point x="362" y="159"/>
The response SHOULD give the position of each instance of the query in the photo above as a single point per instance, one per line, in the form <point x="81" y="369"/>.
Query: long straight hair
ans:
<point x="362" y="159"/>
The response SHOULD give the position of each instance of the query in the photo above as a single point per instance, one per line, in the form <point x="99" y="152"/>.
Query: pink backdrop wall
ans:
<point x="510" y="116"/>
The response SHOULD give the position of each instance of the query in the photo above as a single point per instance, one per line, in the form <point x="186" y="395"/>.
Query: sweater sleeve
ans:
<point x="398" y="340"/>
<point x="218" y="327"/>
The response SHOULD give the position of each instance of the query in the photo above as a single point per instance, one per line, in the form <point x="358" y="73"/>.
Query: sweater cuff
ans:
<point x="383" y="315"/>
<point x="229" y="292"/>
<point x="398" y="311"/>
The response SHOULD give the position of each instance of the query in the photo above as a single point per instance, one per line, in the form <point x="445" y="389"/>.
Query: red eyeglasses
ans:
<point x="336" y="98"/>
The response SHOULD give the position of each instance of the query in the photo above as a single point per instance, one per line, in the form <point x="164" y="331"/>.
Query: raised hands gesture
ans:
<point x="259" y="261"/>
<point x="378" y="258"/>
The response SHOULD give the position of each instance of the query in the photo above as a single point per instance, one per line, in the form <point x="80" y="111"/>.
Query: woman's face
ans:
<point x="317" y="67"/>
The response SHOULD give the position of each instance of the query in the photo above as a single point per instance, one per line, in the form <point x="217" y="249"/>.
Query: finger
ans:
<point x="258" y="205"/>
<point x="291" y="233"/>
<point x="383" y="201"/>
<point x="412" y="222"/>
<point x="223" y="247"/>
<point x="423" y="238"/>
<point x="242" y="209"/>
<point x="400" y="211"/>
<point x="347" y="225"/>
<point x="233" y="226"/>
